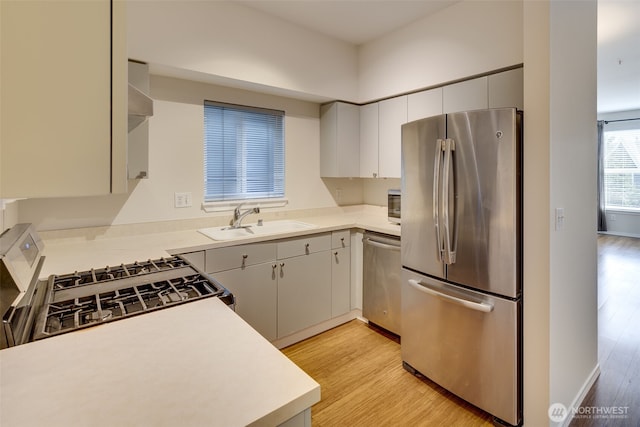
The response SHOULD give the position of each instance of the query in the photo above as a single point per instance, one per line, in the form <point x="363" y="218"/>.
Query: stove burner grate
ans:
<point x="101" y="307"/>
<point x="94" y="276"/>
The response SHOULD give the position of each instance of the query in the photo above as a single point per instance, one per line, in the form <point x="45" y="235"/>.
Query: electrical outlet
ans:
<point x="559" y="219"/>
<point x="182" y="200"/>
<point x="338" y="195"/>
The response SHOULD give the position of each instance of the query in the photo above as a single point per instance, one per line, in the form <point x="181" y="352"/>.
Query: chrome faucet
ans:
<point x="236" y="221"/>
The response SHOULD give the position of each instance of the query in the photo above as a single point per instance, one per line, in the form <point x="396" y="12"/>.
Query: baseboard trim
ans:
<point x="283" y="342"/>
<point x="591" y="379"/>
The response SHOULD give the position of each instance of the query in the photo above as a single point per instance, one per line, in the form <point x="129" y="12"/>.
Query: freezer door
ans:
<point x="465" y="341"/>
<point x="421" y="154"/>
<point x="484" y="200"/>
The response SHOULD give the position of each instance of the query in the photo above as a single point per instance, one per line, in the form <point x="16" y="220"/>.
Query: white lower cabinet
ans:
<point x="304" y="292"/>
<point x="255" y="288"/>
<point x="340" y="281"/>
<point x="284" y="286"/>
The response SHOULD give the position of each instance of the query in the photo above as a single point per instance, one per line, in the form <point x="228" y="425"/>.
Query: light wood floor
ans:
<point x="618" y="332"/>
<point x="363" y="382"/>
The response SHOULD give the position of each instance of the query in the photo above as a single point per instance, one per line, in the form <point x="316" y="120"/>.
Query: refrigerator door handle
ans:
<point x="436" y="192"/>
<point x="449" y="253"/>
<point x="473" y="305"/>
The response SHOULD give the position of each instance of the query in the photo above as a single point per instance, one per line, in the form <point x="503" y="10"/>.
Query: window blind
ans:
<point x="622" y="169"/>
<point x="243" y="152"/>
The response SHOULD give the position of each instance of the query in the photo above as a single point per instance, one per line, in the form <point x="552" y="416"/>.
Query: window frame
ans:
<point x="277" y="168"/>
<point x="612" y="128"/>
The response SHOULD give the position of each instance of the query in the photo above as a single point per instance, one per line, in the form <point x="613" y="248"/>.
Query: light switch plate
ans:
<point x="182" y="200"/>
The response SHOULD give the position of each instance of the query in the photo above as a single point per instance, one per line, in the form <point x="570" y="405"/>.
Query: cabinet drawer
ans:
<point x="221" y="259"/>
<point x="196" y="259"/>
<point x="304" y="245"/>
<point x="340" y="239"/>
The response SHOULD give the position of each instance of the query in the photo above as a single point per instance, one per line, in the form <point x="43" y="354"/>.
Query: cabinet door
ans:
<point x="506" y="89"/>
<point x="369" y="141"/>
<point x="63" y="107"/>
<point x="340" y="281"/>
<point x="304" y="292"/>
<point x="340" y="140"/>
<point x="392" y="115"/>
<point x="255" y="289"/>
<point x="424" y="104"/>
<point x="465" y="96"/>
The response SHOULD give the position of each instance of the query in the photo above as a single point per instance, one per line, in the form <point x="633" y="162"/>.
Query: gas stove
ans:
<point x="69" y="302"/>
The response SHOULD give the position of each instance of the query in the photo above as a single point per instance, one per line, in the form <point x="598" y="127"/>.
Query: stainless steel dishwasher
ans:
<point x="381" y="281"/>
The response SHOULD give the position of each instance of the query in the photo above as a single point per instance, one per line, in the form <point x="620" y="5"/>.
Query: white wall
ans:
<point x="619" y="222"/>
<point x="229" y="40"/>
<point x="573" y="176"/>
<point x="560" y="291"/>
<point x="8" y="214"/>
<point x="536" y="239"/>
<point x="468" y="38"/>
<point x="176" y="163"/>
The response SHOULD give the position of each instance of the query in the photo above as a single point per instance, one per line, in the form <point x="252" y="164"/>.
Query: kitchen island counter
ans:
<point x="195" y="364"/>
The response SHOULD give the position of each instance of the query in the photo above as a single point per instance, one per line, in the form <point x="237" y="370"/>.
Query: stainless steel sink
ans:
<point x="253" y="230"/>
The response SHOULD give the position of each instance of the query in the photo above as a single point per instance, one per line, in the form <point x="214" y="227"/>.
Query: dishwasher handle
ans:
<point x="478" y="306"/>
<point x="378" y="244"/>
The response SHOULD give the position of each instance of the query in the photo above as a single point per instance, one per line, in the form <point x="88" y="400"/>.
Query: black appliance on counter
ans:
<point x="34" y="309"/>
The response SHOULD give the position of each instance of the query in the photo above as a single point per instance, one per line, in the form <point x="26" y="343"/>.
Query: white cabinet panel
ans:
<point x="369" y="140"/>
<point x="255" y="290"/>
<point x="64" y="99"/>
<point x="340" y="281"/>
<point x="392" y="115"/>
<point x="465" y="96"/>
<point x="196" y="259"/>
<point x="424" y="104"/>
<point x="220" y="259"/>
<point x="304" y="245"/>
<point x="304" y="292"/>
<point x="506" y="89"/>
<point x="340" y="239"/>
<point x="339" y="140"/>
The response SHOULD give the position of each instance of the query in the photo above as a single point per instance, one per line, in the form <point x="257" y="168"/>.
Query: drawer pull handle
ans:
<point x="244" y="258"/>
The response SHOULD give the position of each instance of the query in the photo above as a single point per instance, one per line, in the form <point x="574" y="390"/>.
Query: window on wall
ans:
<point x="243" y="153"/>
<point x="622" y="169"/>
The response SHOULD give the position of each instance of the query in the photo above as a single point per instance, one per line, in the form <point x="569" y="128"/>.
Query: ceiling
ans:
<point x="361" y="21"/>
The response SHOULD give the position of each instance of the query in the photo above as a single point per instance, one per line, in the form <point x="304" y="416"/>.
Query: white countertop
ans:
<point x="195" y="364"/>
<point x="77" y="252"/>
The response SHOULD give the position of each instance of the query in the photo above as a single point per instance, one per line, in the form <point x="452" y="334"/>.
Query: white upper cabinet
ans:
<point x="506" y="89"/>
<point x="392" y="115"/>
<point x="465" y="96"/>
<point x="369" y="140"/>
<point x="424" y="104"/>
<point x="340" y="140"/>
<point x="64" y="98"/>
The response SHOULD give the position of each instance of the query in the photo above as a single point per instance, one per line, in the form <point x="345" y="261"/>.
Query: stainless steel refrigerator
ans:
<point x="462" y="255"/>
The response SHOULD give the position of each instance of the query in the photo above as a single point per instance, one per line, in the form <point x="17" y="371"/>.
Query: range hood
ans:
<point x="140" y="107"/>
